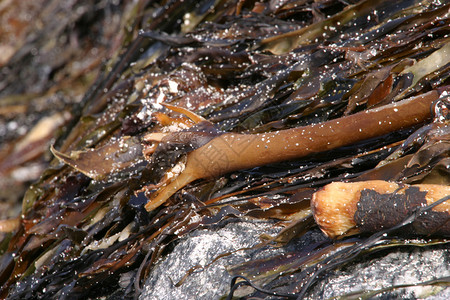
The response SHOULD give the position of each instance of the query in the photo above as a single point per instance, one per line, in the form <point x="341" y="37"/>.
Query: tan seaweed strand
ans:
<point x="230" y="152"/>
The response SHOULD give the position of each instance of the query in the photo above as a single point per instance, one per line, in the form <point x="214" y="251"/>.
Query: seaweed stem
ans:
<point x="230" y="151"/>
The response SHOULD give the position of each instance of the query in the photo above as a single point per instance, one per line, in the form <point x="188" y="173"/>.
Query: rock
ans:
<point x="402" y="267"/>
<point x="377" y="271"/>
<point x="201" y="248"/>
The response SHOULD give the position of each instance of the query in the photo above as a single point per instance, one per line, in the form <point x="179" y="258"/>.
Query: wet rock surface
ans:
<point x="382" y="270"/>
<point x="200" y="249"/>
<point x="404" y="267"/>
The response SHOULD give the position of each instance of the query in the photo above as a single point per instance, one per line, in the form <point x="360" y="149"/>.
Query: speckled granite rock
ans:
<point x="200" y="248"/>
<point x="404" y="266"/>
<point x="407" y="266"/>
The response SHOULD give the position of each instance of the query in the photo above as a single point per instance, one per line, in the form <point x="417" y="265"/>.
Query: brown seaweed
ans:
<point x="249" y="69"/>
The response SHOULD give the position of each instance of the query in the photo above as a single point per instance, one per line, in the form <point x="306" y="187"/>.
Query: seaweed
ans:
<point x="164" y="80"/>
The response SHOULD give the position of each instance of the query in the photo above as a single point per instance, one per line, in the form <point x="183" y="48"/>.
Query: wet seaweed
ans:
<point x="245" y="67"/>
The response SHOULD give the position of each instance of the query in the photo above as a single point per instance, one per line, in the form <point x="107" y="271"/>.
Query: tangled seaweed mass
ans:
<point x="131" y="124"/>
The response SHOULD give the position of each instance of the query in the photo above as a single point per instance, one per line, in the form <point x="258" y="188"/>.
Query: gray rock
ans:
<point x="402" y="267"/>
<point x="201" y="247"/>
